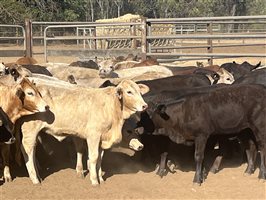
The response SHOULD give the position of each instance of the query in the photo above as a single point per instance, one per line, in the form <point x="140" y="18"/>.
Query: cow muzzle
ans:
<point x="43" y="108"/>
<point x="135" y="144"/>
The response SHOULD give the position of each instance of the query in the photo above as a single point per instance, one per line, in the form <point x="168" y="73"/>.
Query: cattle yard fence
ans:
<point x="168" y="39"/>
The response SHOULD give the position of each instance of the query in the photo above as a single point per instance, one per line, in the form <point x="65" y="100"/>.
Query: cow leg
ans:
<point x="5" y="152"/>
<point x="218" y="160"/>
<point x="216" y="164"/>
<point x="200" y="143"/>
<point x="100" y="173"/>
<point x="78" y="142"/>
<point x="93" y="148"/>
<point x="251" y="153"/>
<point x="262" y="173"/>
<point x="162" y="167"/>
<point x="28" y="151"/>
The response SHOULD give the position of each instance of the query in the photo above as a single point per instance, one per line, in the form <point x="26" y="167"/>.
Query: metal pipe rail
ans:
<point x="205" y="19"/>
<point x="91" y="24"/>
<point x="206" y="46"/>
<point x="206" y="55"/>
<point x="16" y="37"/>
<point x="91" y="37"/>
<point x="205" y="36"/>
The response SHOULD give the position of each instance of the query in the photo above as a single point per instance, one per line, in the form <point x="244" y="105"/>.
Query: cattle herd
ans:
<point x="146" y="105"/>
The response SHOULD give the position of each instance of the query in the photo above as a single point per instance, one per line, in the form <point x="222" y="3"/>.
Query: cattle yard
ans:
<point x="126" y="177"/>
<point x="167" y="39"/>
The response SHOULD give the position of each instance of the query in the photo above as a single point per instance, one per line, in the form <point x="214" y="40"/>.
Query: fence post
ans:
<point x="143" y="38"/>
<point x="209" y="43"/>
<point x="94" y="35"/>
<point x="133" y="32"/>
<point x="28" y="29"/>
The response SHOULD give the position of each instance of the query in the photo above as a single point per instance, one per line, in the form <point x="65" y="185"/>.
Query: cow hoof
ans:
<point x="262" y="180"/>
<point x="262" y="176"/>
<point x="214" y="171"/>
<point x="95" y="185"/>
<point x="249" y="171"/>
<point x="80" y="175"/>
<point x="101" y="180"/>
<point x="8" y="179"/>
<point x="247" y="174"/>
<point x="196" y="184"/>
<point x="161" y="172"/>
<point x="36" y="182"/>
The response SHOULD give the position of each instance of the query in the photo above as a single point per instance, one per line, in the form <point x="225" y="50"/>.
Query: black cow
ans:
<point x="86" y="64"/>
<point x="6" y="128"/>
<point x="239" y="70"/>
<point x="175" y="82"/>
<point x="170" y="83"/>
<point x="224" y="110"/>
<point x="255" y="77"/>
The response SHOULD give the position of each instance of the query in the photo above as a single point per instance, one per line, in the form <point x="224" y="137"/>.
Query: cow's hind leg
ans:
<point x="162" y="166"/>
<point x="262" y="173"/>
<point x="5" y="152"/>
<point x="93" y="148"/>
<point x="200" y="143"/>
<point x="251" y="153"/>
<point x="100" y="173"/>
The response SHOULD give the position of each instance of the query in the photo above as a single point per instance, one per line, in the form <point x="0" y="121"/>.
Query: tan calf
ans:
<point x="96" y="115"/>
<point x="17" y="100"/>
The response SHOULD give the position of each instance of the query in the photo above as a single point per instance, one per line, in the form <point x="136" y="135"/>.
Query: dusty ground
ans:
<point x="127" y="178"/>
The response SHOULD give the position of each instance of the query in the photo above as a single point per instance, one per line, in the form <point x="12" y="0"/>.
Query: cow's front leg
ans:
<point x="78" y="142"/>
<point x="93" y="148"/>
<point x="200" y="143"/>
<point x="28" y="151"/>
<point x="5" y="152"/>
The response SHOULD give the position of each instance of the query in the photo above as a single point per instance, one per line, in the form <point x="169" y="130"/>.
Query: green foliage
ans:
<point x="15" y="11"/>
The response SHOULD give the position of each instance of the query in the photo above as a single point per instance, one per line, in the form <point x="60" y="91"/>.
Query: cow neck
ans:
<point x="114" y="134"/>
<point x="9" y="103"/>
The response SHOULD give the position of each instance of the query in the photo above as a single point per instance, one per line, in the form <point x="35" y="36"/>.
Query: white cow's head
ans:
<point x="129" y="93"/>
<point x="225" y="76"/>
<point x="106" y="68"/>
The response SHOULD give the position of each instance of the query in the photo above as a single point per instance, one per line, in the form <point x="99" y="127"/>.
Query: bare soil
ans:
<point x="127" y="177"/>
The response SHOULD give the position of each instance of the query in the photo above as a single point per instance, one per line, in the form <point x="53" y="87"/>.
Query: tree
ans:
<point x="12" y="11"/>
<point x="119" y="4"/>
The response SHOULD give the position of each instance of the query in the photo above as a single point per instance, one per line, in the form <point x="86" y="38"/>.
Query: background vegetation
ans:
<point x="15" y="11"/>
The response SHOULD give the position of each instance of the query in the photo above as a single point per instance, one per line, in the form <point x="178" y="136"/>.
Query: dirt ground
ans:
<point x="127" y="178"/>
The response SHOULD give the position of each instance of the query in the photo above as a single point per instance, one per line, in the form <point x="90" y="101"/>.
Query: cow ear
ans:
<point x="14" y="73"/>
<point x="216" y="76"/>
<point x="143" y="88"/>
<point x="161" y="111"/>
<point x="20" y="93"/>
<point x="119" y="92"/>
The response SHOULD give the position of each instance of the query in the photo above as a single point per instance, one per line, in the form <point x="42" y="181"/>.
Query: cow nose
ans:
<point x="47" y="107"/>
<point x="140" y="147"/>
<point x="145" y="106"/>
<point x="102" y="71"/>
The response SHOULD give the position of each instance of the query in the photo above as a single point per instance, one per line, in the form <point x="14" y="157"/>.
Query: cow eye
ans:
<point x="30" y="93"/>
<point x="111" y="67"/>
<point x="129" y="92"/>
<point x="228" y="79"/>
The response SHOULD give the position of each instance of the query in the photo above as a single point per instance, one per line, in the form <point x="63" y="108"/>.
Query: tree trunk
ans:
<point x="92" y="11"/>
